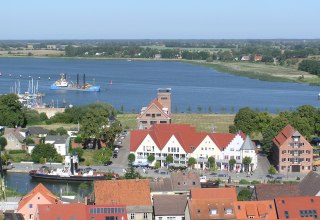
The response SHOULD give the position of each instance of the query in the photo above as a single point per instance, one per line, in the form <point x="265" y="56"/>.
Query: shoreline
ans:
<point x="223" y="67"/>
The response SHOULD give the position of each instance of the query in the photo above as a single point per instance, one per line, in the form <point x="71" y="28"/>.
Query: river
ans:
<point x="135" y="83"/>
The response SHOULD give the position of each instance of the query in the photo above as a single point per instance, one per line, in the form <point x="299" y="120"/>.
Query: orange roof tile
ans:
<point x="64" y="211"/>
<point x="298" y="207"/>
<point x="158" y="105"/>
<point x="222" y="139"/>
<point x="256" y="209"/>
<point x="40" y="188"/>
<point x="213" y="193"/>
<point x="202" y="208"/>
<point x="127" y="192"/>
<point x="283" y="135"/>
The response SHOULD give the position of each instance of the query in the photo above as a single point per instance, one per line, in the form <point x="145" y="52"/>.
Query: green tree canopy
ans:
<point x="131" y="158"/>
<point x="151" y="158"/>
<point x="246" y="120"/>
<point x="272" y="170"/>
<point x="232" y="162"/>
<point x="211" y="162"/>
<point x="11" y="114"/>
<point x="3" y="143"/>
<point x="244" y="195"/>
<point x="45" y="151"/>
<point x="191" y="162"/>
<point x="169" y="159"/>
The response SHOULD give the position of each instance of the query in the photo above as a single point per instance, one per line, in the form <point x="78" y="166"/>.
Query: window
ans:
<point x="286" y="213"/>
<point x="239" y="207"/>
<point x="73" y="218"/>
<point x="213" y="211"/>
<point x="145" y="215"/>
<point x="158" y="114"/>
<point x="58" y="218"/>
<point x="92" y="218"/>
<point x="270" y="206"/>
<point x="193" y="183"/>
<point x="148" y="115"/>
<point x="160" y="218"/>
<point x="238" y="157"/>
<point x="228" y="211"/>
<point x="132" y="216"/>
<point x="231" y="149"/>
<point x="198" y="211"/>
<point x="282" y="201"/>
<point x="30" y="206"/>
<point x="284" y="151"/>
<point x="31" y="216"/>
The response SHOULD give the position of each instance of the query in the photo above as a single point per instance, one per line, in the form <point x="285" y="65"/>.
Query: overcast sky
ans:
<point x="159" y="19"/>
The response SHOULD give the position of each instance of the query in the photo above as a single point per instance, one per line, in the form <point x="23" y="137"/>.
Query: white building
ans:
<point x="60" y="143"/>
<point x="182" y="142"/>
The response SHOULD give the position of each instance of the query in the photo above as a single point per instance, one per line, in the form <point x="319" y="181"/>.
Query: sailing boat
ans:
<point x="110" y="82"/>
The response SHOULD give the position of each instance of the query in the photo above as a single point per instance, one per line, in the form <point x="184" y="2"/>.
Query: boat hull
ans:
<point x="70" y="88"/>
<point x="40" y="176"/>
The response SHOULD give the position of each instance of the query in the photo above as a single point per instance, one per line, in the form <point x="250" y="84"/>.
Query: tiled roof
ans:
<point x="310" y="185"/>
<point x="40" y="188"/>
<point x="127" y="192"/>
<point x="169" y="205"/>
<point x="37" y="130"/>
<point x="57" y="139"/>
<point x="64" y="211"/>
<point x="161" y="185"/>
<point x="297" y="207"/>
<point x="255" y="209"/>
<point x="15" y="132"/>
<point x="161" y="133"/>
<point x="272" y="191"/>
<point x="216" y="193"/>
<point x="283" y="135"/>
<point x="158" y="105"/>
<point x="201" y="208"/>
<point x="184" y="181"/>
<point x="222" y="139"/>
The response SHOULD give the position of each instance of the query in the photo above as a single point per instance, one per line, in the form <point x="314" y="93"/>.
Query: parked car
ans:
<point x="222" y="175"/>
<point x="107" y="163"/>
<point x="115" y="156"/>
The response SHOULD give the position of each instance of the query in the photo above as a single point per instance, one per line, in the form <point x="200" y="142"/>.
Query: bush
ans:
<point x="254" y="182"/>
<point x="43" y="116"/>
<point x="244" y="182"/>
<point x="29" y="141"/>
<point x="17" y="151"/>
<point x="78" y="140"/>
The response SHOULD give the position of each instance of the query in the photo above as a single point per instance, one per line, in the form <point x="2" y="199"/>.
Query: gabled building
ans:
<point x="310" y="185"/>
<point x="39" y="195"/>
<point x="298" y="207"/>
<point x="15" y="138"/>
<point x="60" y="143"/>
<point x="182" y="141"/>
<point x="133" y="194"/>
<point x="157" y="112"/>
<point x="272" y="191"/>
<point x="292" y="152"/>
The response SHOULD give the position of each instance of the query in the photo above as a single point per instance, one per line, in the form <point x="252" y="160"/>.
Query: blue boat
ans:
<point x="64" y="84"/>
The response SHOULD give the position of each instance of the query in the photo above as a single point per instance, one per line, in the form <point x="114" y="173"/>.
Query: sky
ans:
<point x="161" y="19"/>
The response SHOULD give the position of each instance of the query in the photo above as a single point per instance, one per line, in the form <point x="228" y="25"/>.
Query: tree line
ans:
<point x="310" y="66"/>
<point x="306" y="119"/>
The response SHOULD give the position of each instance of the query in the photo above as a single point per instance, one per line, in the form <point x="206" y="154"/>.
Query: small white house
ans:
<point x="60" y="143"/>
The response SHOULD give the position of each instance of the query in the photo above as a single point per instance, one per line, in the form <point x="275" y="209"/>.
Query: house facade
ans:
<point x="39" y="195"/>
<point x="157" y="112"/>
<point x="292" y="152"/>
<point x="60" y="143"/>
<point x="15" y="138"/>
<point x="169" y="207"/>
<point x="182" y="141"/>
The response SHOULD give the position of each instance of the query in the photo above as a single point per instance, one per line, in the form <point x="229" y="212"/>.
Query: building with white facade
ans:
<point x="182" y="142"/>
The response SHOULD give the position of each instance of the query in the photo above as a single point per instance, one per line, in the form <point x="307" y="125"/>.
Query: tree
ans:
<point x="61" y="131"/>
<point x="246" y="162"/>
<point x="272" y="170"/>
<point x="191" y="162"/>
<point x="45" y="151"/>
<point x="43" y="116"/>
<point x="232" y="162"/>
<point x="151" y="158"/>
<point x="11" y="114"/>
<point x="169" y="159"/>
<point x="3" y="143"/>
<point x="246" y="120"/>
<point x="131" y="158"/>
<point x="157" y="165"/>
<point x="77" y="151"/>
<point x="78" y="139"/>
<point x="211" y="162"/>
<point x="244" y="195"/>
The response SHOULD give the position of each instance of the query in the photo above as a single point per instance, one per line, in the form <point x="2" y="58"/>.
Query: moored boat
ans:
<point x="70" y="172"/>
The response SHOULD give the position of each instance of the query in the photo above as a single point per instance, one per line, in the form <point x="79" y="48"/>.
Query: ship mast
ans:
<point x="84" y="79"/>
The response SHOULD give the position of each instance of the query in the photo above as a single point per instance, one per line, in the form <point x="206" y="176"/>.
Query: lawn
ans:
<point x="203" y="122"/>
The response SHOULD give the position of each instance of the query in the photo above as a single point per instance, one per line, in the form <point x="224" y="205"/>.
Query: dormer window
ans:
<point x="213" y="211"/>
<point x="228" y="211"/>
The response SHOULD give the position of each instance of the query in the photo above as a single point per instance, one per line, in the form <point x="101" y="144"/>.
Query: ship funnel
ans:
<point x="84" y="79"/>
<point x="71" y="165"/>
<point x="77" y="79"/>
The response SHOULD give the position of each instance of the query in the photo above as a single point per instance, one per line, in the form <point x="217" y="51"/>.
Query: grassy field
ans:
<point x="261" y="71"/>
<point x="203" y="122"/>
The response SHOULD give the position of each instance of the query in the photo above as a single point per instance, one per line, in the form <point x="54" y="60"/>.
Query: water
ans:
<point x="23" y="183"/>
<point x="135" y="84"/>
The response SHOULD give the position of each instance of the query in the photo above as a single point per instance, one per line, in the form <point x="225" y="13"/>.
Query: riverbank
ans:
<point x="261" y="71"/>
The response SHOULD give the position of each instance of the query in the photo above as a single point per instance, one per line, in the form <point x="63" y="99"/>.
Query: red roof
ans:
<point x="38" y="189"/>
<point x="161" y="133"/>
<point x="156" y="103"/>
<point x="64" y="211"/>
<point x="187" y="136"/>
<point x="283" y="135"/>
<point x="297" y="207"/>
<point x="213" y="193"/>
